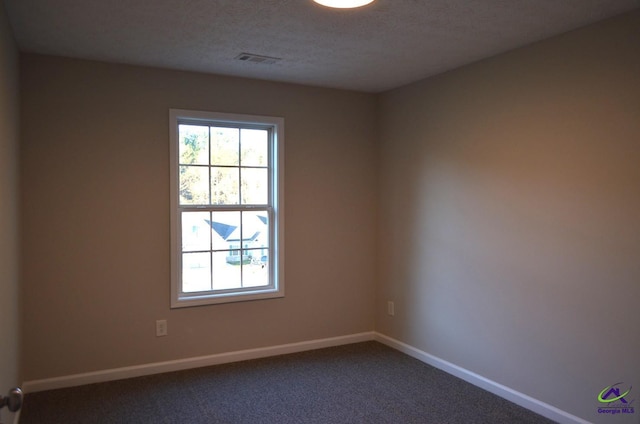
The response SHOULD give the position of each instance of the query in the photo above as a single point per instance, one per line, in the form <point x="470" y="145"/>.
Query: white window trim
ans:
<point x="179" y="299"/>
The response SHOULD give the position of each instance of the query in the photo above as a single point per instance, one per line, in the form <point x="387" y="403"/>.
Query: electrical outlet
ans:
<point x="391" y="309"/>
<point x="161" y="327"/>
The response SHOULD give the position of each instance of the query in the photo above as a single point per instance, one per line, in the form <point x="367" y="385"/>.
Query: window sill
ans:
<point x="188" y="300"/>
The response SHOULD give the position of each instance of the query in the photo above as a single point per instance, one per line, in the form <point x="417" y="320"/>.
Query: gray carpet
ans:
<point x="358" y="383"/>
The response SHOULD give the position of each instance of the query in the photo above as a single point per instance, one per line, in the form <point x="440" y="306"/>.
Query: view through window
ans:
<point x="226" y="217"/>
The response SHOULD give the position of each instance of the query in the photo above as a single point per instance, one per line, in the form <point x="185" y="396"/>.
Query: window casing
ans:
<point x="226" y="207"/>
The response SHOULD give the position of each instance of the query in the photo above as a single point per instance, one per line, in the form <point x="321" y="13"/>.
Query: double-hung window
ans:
<point x="226" y="207"/>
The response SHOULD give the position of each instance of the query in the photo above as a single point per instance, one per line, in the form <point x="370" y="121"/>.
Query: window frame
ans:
<point x="275" y="207"/>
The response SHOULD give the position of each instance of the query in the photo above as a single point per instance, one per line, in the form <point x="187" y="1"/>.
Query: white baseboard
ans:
<point x="188" y="363"/>
<point x="498" y="389"/>
<point x="535" y="405"/>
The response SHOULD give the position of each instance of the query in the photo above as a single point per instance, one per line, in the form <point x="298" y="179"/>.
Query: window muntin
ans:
<point x="226" y="207"/>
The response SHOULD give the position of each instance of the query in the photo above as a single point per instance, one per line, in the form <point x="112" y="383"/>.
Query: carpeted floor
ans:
<point x="358" y="383"/>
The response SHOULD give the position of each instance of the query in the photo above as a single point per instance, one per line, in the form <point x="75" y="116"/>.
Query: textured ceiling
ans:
<point x="385" y="45"/>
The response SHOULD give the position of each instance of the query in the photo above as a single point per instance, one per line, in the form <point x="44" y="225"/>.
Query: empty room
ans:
<point x="219" y="211"/>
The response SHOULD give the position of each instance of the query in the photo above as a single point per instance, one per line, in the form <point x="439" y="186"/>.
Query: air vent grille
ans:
<point x="256" y="58"/>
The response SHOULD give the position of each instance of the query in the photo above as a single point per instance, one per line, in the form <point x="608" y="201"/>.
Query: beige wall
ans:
<point x="96" y="216"/>
<point x="510" y="216"/>
<point x="9" y="289"/>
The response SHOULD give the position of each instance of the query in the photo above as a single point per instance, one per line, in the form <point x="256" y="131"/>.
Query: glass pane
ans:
<point x="194" y="187"/>
<point x="196" y="231"/>
<point x="254" y="147"/>
<point x="225" y="186"/>
<point x="227" y="273"/>
<point x="196" y="272"/>
<point x="256" y="271"/>
<point x="225" y="228"/>
<point x="194" y="144"/>
<point x="255" y="230"/>
<point x="225" y="146"/>
<point x="255" y="186"/>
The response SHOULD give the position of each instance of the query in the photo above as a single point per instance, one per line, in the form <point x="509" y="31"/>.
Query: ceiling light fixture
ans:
<point x="344" y="4"/>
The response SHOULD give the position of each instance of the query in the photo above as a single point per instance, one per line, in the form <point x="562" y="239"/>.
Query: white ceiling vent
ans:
<point x="256" y="58"/>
